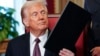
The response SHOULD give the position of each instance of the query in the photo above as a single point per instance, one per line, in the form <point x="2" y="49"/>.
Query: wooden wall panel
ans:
<point x="79" y="2"/>
<point x="56" y="6"/>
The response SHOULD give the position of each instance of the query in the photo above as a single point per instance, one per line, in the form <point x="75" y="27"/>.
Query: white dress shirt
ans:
<point x="42" y="38"/>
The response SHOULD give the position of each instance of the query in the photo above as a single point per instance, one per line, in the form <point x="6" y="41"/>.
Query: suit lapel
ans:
<point x="48" y="52"/>
<point x="26" y="45"/>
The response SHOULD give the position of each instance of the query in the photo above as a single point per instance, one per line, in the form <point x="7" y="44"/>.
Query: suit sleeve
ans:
<point x="9" y="50"/>
<point x="93" y="6"/>
<point x="98" y="1"/>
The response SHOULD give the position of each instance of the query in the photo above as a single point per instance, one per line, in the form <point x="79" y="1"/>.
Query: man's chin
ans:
<point x="43" y="28"/>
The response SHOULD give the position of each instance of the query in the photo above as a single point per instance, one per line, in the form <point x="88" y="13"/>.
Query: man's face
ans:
<point x="38" y="19"/>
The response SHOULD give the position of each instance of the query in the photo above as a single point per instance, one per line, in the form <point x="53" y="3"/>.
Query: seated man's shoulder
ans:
<point x="20" y="38"/>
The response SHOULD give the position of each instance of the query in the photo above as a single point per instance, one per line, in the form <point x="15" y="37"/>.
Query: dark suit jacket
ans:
<point x="93" y="6"/>
<point x="20" y="46"/>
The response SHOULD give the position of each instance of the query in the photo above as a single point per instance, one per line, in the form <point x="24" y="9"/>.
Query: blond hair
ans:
<point x="27" y="4"/>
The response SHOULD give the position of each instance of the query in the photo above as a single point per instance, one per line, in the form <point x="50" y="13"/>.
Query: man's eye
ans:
<point x="43" y="12"/>
<point x="34" y="14"/>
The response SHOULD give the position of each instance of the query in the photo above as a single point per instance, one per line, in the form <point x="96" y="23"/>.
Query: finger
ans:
<point x="94" y="53"/>
<point x="64" y="53"/>
<point x="92" y="50"/>
<point x="67" y="51"/>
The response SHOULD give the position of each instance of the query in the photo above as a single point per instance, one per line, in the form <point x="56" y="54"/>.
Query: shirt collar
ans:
<point x="42" y="37"/>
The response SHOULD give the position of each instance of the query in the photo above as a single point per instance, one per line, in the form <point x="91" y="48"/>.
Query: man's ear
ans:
<point x="26" y="22"/>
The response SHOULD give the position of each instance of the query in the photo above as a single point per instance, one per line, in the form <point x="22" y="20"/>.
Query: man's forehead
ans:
<point x="35" y="7"/>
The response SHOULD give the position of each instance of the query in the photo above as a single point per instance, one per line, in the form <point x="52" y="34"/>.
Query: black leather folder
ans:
<point x="68" y="28"/>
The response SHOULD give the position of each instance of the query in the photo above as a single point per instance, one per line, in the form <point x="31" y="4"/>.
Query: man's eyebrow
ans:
<point x="34" y="12"/>
<point x="43" y="11"/>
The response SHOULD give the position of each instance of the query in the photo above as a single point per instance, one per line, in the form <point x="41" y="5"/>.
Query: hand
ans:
<point x="66" y="52"/>
<point x="95" y="51"/>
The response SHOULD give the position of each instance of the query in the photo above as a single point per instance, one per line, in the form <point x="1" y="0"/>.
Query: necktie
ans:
<point x="36" y="51"/>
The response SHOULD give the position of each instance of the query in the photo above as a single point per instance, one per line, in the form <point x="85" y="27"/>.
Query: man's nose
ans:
<point x="41" y="16"/>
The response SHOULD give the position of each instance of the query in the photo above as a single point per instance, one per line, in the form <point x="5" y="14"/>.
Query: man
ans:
<point x="34" y="17"/>
<point x="93" y="6"/>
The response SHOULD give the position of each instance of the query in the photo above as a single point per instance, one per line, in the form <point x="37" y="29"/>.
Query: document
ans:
<point x="68" y="28"/>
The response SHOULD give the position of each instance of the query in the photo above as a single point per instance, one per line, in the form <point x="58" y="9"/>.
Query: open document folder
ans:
<point x="68" y="28"/>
